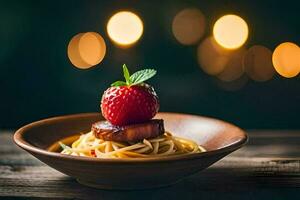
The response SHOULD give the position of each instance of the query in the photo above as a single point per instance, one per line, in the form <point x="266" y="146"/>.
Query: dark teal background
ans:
<point x="38" y="81"/>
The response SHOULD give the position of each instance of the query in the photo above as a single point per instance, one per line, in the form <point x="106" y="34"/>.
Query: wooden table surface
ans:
<point x="268" y="167"/>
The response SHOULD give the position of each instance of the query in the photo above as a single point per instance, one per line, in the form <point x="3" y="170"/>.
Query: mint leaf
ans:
<point x="141" y="76"/>
<point x="126" y="75"/>
<point x="136" y="78"/>
<point x="118" y="83"/>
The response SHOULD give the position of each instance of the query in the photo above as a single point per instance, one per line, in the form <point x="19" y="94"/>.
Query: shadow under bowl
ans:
<point x="217" y="137"/>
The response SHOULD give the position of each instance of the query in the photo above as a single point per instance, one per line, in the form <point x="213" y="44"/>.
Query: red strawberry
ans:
<point x="132" y="101"/>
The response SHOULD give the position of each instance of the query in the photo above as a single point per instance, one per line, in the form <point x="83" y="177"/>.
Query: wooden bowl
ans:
<point x="217" y="137"/>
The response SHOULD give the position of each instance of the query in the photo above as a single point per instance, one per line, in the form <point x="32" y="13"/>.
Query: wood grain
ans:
<point x="268" y="167"/>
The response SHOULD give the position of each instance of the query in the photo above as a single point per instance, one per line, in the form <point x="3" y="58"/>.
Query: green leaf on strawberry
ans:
<point x="118" y="83"/>
<point x="136" y="78"/>
<point x="126" y="74"/>
<point x="142" y="75"/>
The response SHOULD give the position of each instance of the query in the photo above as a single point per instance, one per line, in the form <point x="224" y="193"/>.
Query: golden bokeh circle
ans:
<point x="286" y="59"/>
<point x="125" y="28"/>
<point x="74" y="55"/>
<point x="230" y="31"/>
<point x="234" y="67"/>
<point x="211" y="57"/>
<point x="188" y="26"/>
<point x="258" y="63"/>
<point x="92" y="48"/>
<point x="86" y="50"/>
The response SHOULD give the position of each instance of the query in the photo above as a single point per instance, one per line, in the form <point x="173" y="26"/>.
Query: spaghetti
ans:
<point x="90" y="146"/>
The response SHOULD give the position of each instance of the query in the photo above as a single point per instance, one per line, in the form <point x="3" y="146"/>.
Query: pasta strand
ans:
<point x="90" y="146"/>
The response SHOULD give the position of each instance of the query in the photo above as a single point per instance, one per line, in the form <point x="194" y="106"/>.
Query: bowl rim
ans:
<point x="21" y="142"/>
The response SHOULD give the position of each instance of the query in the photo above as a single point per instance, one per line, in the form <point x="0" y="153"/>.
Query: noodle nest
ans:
<point x="167" y="144"/>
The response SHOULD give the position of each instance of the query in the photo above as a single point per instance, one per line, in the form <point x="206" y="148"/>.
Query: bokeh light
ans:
<point x="188" y="26"/>
<point x="234" y="67"/>
<point x="212" y="58"/>
<point x="92" y="48"/>
<point x="230" y="31"/>
<point x="286" y="59"/>
<point x="73" y="53"/>
<point x="224" y="63"/>
<point x="125" y="28"/>
<point x="258" y="63"/>
<point x="86" y="50"/>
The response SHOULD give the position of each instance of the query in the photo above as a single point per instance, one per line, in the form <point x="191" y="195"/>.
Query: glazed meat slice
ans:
<point x="130" y="133"/>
